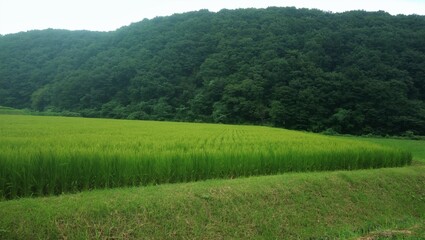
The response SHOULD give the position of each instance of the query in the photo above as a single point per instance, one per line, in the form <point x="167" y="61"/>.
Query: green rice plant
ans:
<point x="53" y="155"/>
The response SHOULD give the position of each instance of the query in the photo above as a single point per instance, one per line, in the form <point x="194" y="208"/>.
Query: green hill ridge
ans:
<point x="355" y="72"/>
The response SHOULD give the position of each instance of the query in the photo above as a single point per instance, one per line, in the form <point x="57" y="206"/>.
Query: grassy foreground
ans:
<point x="343" y="205"/>
<point x="386" y="203"/>
<point x="52" y="155"/>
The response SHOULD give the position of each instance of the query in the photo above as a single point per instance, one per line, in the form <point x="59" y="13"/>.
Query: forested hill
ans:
<point x="355" y="72"/>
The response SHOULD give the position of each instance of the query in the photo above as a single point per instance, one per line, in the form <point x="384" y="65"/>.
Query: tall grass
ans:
<point x="52" y="155"/>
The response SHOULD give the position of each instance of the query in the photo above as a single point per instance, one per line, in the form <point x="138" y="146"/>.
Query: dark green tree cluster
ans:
<point x="354" y="72"/>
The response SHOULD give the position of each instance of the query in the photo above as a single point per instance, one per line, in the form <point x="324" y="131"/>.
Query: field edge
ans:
<point x="339" y="204"/>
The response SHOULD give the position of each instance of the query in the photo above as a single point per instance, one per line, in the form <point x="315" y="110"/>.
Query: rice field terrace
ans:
<point x="54" y="155"/>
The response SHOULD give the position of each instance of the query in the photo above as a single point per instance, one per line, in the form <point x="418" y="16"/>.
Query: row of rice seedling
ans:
<point x="53" y="155"/>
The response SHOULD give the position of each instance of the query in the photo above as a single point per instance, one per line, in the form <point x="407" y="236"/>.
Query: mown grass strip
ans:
<point x="51" y="155"/>
<point x="326" y="205"/>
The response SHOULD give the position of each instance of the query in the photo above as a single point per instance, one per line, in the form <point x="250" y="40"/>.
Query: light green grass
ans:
<point x="414" y="146"/>
<point x="52" y="155"/>
<point x="325" y="205"/>
<point x="384" y="203"/>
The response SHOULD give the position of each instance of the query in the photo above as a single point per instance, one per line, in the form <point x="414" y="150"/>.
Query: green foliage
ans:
<point x="416" y="147"/>
<point x="329" y="205"/>
<point x="355" y="72"/>
<point x="51" y="155"/>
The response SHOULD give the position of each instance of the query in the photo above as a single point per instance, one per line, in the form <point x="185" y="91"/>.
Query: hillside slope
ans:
<point x="355" y="72"/>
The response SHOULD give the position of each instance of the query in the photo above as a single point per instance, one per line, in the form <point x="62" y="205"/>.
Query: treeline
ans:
<point x="355" y="72"/>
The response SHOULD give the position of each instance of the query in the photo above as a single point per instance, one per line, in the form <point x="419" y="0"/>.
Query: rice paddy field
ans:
<point x="304" y="186"/>
<point x="54" y="155"/>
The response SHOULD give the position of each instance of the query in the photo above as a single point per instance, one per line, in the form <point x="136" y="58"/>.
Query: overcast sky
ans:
<point x="108" y="15"/>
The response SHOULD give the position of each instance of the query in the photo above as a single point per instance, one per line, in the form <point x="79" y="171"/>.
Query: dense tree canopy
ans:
<point x="355" y="72"/>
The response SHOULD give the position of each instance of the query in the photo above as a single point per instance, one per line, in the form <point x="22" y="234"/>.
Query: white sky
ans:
<point x="108" y="15"/>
